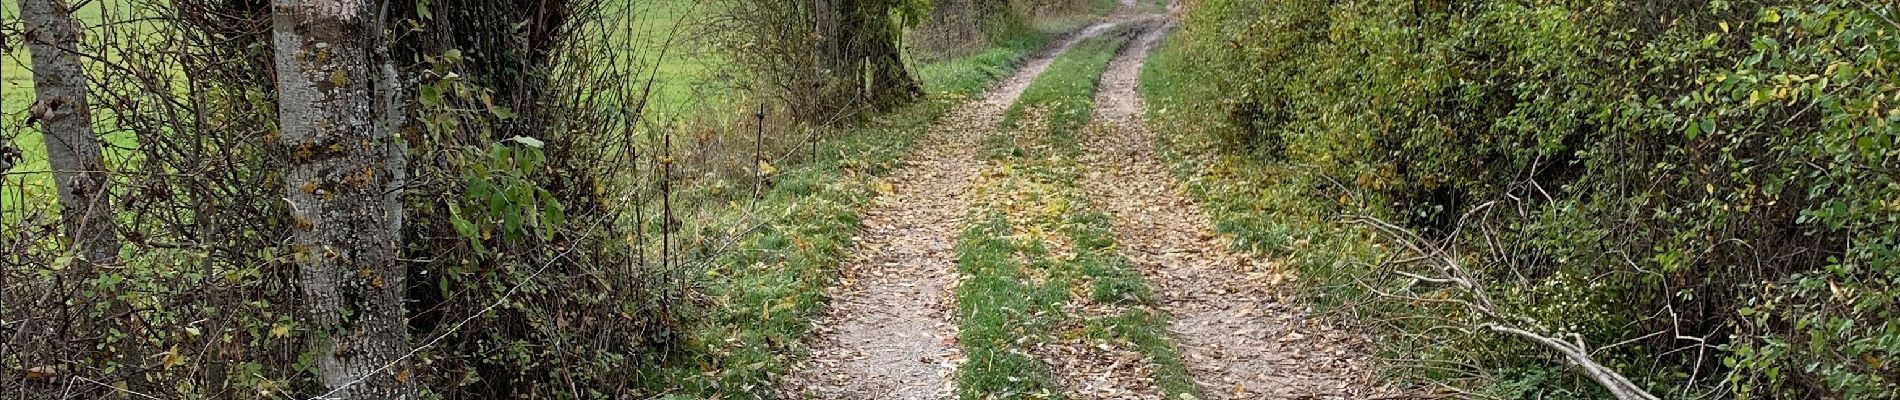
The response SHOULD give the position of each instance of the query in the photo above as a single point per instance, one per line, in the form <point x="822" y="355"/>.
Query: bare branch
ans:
<point x="1619" y="386"/>
<point x="1574" y="351"/>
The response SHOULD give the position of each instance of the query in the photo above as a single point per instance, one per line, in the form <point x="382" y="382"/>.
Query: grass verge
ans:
<point x="1040" y="270"/>
<point x="761" y="298"/>
<point x="1269" y="210"/>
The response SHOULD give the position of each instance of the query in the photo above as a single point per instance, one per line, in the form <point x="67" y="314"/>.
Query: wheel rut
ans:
<point x="1238" y="342"/>
<point x="889" y="333"/>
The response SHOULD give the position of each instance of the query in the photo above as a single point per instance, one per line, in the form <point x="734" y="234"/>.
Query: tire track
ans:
<point x="889" y="333"/>
<point x="1238" y="342"/>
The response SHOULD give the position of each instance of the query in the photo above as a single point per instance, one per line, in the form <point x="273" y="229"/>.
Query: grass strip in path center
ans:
<point x="889" y="332"/>
<point x="762" y="299"/>
<point x="1049" y="310"/>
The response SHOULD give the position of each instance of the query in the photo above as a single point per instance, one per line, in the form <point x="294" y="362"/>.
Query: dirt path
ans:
<point x="889" y="333"/>
<point x="1238" y="342"/>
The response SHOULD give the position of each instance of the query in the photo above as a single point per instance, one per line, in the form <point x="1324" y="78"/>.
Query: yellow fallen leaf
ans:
<point x="172" y="358"/>
<point x="766" y="168"/>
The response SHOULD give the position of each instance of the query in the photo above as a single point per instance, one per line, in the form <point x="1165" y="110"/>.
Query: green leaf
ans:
<point x="462" y="225"/>
<point x="511" y="223"/>
<point x="429" y="95"/>
<point x="527" y="141"/>
<point x="502" y="112"/>
<point x="552" y="216"/>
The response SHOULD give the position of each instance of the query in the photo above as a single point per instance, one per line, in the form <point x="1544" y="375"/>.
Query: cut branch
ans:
<point x="1617" y="384"/>
<point x="1455" y="275"/>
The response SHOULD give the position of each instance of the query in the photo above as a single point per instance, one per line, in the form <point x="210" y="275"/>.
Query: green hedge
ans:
<point x="1657" y="170"/>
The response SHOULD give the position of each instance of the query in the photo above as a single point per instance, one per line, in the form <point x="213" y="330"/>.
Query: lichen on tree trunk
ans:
<point x="65" y="119"/>
<point x="333" y="118"/>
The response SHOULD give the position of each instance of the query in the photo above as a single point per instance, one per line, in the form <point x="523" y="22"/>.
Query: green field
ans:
<point x="684" y="76"/>
<point x="31" y="176"/>
<point x="684" y="81"/>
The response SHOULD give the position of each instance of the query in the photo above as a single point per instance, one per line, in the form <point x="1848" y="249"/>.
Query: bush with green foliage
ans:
<point x="1711" y="186"/>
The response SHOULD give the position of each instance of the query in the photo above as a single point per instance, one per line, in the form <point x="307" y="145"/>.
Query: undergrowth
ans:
<point x="1706" y="186"/>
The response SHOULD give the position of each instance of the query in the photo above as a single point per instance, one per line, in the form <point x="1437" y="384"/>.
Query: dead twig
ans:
<point x="1616" y="383"/>
<point x="1454" y="275"/>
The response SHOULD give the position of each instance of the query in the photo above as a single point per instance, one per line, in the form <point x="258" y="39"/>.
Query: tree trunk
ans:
<point x="878" y="70"/>
<point x="858" y="59"/>
<point x="72" y="150"/>
<point x="66" y="123"/>
<point x="891" y="82"/>
<point x="333" y="107"/>
<point x="828" y="17"/>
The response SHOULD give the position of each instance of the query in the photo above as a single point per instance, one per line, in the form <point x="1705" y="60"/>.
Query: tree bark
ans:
<point x="333" y="114"/>
<point x="891" y="82"/>
<point x="858" y="58"/>
<point x="828" y="16"/>
<point x="882" y="79"/>
<point x="64" y="114"/>
<point x="66" y="123"/>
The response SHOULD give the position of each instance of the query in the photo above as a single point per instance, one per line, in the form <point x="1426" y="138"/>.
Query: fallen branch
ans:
<point x="1616" y="383"/>
<point x="1456" y="276"/>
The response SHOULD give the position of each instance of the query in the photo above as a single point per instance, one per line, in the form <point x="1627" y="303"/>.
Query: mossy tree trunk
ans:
<point x="858" y="52"/>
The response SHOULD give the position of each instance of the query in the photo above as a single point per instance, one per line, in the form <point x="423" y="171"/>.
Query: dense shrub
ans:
<point x="1715" y="182"/>
<point x="521" y="239"/>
